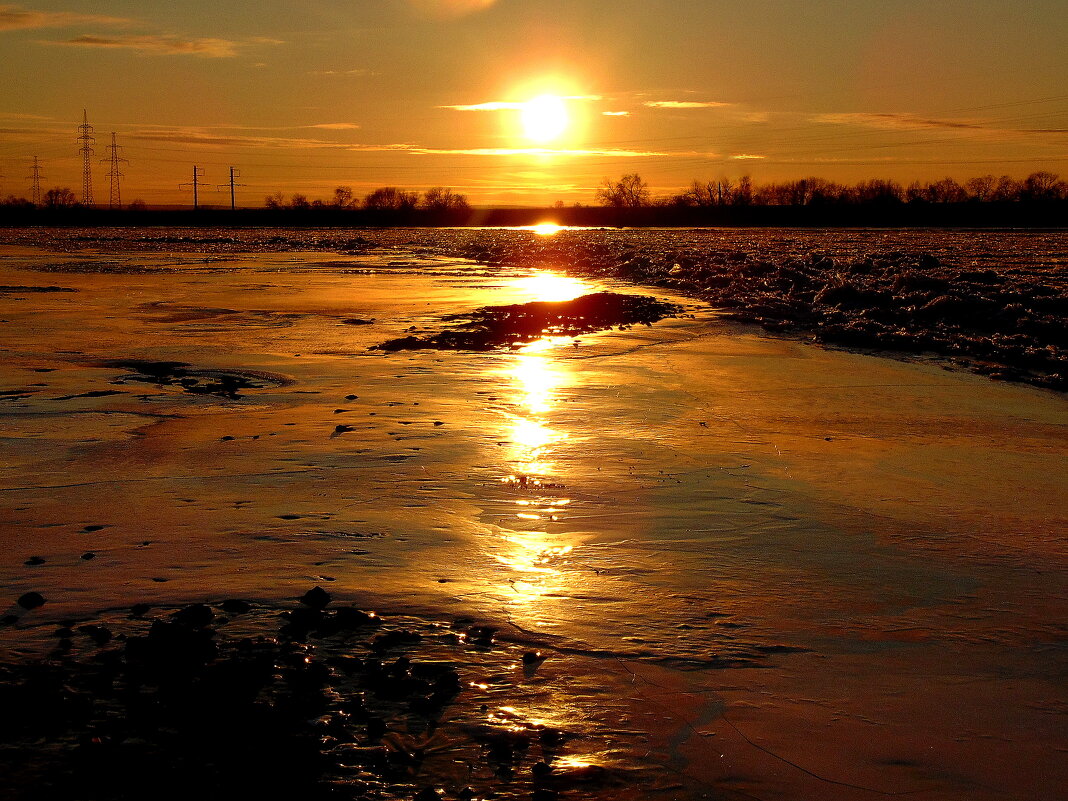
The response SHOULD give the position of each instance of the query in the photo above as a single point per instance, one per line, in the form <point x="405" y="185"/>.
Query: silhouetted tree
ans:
<point x="440" y="198"/>
<point x="299" y="203"/>
<point x="1008" y="189"/>
<point x="946" y="190"/>
<point x="13" y="203"/>
<point x="981" y="189"/>
<point x="276" y="202"/>
<point x="60" y="198"/>
<point x="630" y="191"/>
<point x="1043" y="186"/>
<point x="343" y="198"/>
<point x="390" y="198"/>
<point x="877" y="190"/>
<point x="743" y="192"/>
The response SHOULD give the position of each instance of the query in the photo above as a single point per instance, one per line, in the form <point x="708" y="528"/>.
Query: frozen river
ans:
<point x="772" y="570"/>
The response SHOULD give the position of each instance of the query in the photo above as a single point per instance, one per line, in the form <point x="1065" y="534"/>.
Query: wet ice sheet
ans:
<point x="860" y="540"/>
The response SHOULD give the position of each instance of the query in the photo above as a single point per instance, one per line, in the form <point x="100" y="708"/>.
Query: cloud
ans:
<point x="493" y="105"/>
<point x="685" y="104"/>
<point x="510" y="105"/>
<point x="158" y="45"/>
<point x="198" y="137"/>
<point x="357" y="73"/>
<point x="336" y="126"/>
<point x="747" y="157"/>
<point x="450" y="8"/>
<point x="14" y="18"/>
<point x="913" y="122"/>
<point x="511" y="151"/>
<point x="615" y="113"/>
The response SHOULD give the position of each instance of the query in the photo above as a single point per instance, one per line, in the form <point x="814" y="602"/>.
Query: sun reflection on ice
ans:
<point x="533" y="551"/>
<point x="546" y="229"/>
<point x="551" y="287"/>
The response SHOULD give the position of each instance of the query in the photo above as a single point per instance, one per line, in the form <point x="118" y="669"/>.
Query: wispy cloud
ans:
<point x="914" y="122"/>
<point x="14" y="18"/>
<point x="450" y="8"/>
<point x="685" y="104"/>
<point x="493" y="105"/>
<point x="512" y="151"/>
<point x="159" y="45"/>
<point x="201" y="138"/>
<point x="747" y="157"/>
<point x="615" y="113"/>
<point x="511" y="105"/>
<point x="336" y="126"/>
<point x="357" y="73"/>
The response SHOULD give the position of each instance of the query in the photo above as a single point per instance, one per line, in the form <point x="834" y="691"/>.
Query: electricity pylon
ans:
<point x="234" y="173"/>
<point x="195" y="184"/>
<point x="113" y="161"/>
<point x="85" y="136"/>
<point x="35" y="191"/>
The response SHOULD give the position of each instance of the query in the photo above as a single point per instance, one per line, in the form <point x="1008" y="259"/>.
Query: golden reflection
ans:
<point x="553" y="287"/>
<point x="534" y="553"/>
<point x="546" y="229"/>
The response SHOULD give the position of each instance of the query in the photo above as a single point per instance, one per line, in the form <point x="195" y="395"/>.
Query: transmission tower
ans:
<point x="234" y="173"/>
<point x="85" y="136"/>
<point x="35" y="191"/>
<point x="113" y="160"/>
<point x="195" y="184"/>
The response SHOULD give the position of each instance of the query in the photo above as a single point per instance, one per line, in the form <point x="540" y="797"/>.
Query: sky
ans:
<point x="302" y="96"/>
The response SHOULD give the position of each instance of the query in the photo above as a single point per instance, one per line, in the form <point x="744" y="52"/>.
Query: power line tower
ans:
<point x="234" y="173"/>
<point x="113" y="160"/>
<point x="85" y="136"/>
<point x="195" y="184"/>
<point x="35" y="190"/>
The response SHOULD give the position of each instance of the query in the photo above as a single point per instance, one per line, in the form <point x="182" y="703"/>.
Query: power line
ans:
<point x="195" y="184"/>
<point x="234" y="173"/>
<point x="35" y="191"/>
<point x="113" y="160"/>
<point x="85" y="136"/>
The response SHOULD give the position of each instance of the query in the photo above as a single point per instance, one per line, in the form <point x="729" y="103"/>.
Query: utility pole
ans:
<point x="234" y="173"/>
<point x="35" y="191"/>
<point x="195" y="184"/>
<point x="85" y="136"/>
<point x="113" y="161"/>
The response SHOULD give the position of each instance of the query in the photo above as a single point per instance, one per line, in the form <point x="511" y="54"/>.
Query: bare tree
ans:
<point x="441" y="198"/>
<point x="1008" y="189"/>
<point x="981" y="189"/>
<point x="630" y="191"/>
<point x="390" y="198"/>
<point x="60" y="198"/>
<point x="343" y="198"/>
<point x="275" y="202"/>
<point x="1042" y="185"/>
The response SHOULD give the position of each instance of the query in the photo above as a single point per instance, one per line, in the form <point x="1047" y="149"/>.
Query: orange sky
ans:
<point x="308" y="95"/>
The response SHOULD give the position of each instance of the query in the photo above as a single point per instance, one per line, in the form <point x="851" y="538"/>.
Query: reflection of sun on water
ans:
<point x="551" y="287"/>
<point x="534" y="557"/>
<point x="546" y="229"/>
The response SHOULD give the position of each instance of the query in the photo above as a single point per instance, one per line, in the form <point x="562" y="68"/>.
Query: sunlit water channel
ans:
<point x="853" y="562"/>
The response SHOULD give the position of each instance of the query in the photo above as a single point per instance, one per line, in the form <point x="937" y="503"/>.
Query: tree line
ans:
<point x="438" y="199"/>
<point x="631" y="192"/>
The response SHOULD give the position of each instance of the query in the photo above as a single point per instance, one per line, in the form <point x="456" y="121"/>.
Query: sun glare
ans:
<point x="546" y="229"/>
<point x="544" y="118"/>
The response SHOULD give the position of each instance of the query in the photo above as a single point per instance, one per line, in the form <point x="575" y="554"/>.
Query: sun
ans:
<point x="544" y="118"/>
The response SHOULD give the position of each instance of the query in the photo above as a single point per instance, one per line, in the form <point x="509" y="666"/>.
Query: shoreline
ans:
<point x="1007" y="323"/>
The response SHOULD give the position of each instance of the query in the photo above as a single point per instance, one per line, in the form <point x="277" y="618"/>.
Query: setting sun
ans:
<point x="544" y="118"/>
